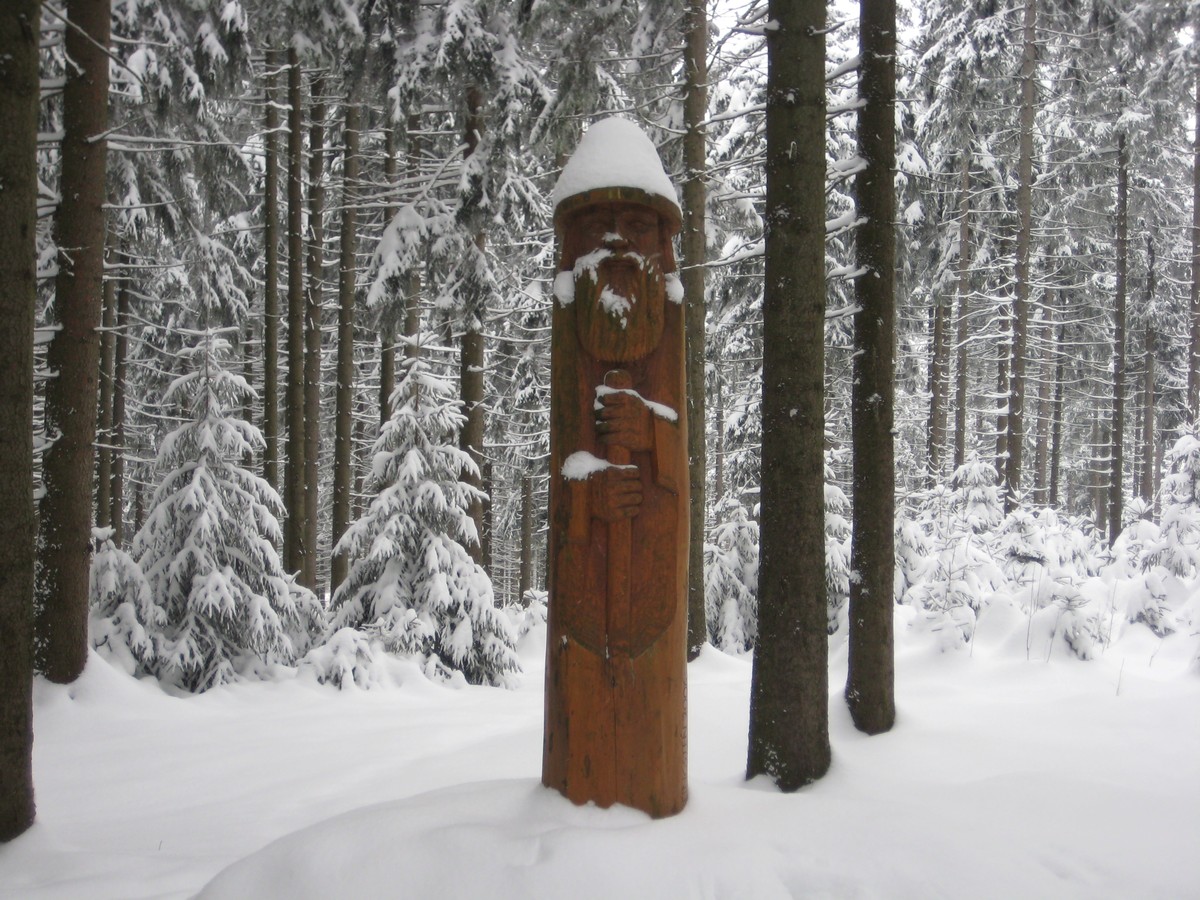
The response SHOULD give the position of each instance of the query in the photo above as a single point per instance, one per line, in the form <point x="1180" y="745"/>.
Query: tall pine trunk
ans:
<point x="1116" y="498"/>
<point x="293" y="478"/>
<point x="695" y="107"/>
<point x="1194" y="354"/>
<point x="939" y="386"/>
<point x="19" y="30"/>
<point x="343" y="446"/>
<point x="104" y="413"/>
<point x="1150" y="337"/>
<point x="271" y="274"/>
<point x="789" y="691"/>
<point x="387" y="316"/>
<point x="74" y="354"/>
<point x="962" y="385"/>
<point x="312" y="331"/>
<point x="1020" y="316"/>
<point x="472" y="356"/>
<point x="120" y="391"/>
<point x="870" y="680"/>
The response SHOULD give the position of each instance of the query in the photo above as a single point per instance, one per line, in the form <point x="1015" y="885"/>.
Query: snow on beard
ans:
<point x="619" y="302"/>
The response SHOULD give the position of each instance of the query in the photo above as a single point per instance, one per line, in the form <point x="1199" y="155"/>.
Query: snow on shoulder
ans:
<point x="615" y="152"/>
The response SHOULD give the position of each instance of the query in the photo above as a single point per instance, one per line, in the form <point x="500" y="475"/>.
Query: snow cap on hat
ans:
<point x="616" y="161"/>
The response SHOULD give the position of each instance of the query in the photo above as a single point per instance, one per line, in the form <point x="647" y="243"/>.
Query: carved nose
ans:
<point x="614" y="240"/>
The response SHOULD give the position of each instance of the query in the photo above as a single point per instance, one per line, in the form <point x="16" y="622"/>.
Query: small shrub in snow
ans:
<point x="529" y="614"/>
<point x="345" y="659"/>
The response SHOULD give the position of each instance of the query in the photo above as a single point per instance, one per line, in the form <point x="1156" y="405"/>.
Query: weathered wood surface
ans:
<point x="615" y="729"/>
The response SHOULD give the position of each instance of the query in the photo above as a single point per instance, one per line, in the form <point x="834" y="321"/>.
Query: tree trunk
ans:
<point x="870" y="681"/>
<point x="525" y="579"/>
<point x="74" y="354"/>
<point x="789" y="692"/>
<point x="387" y="318"/>
<point x="19" y="30"/>
<point x="294" y="470"/>
<point x="412" y="282"/>
<point x="271" y="275"/>
<point x="1194" y="354"/>
<point x="1041" y="461"/>
<point x="104" y="414"/>
<point x="1056" y="427"/>
<point x="693" y="244"/>
<point x="1003" y="356"/>
<point x="962" y="400"/>
<point x="1116" y="499"/>
<point x="1101" y="466"/>
<point x="120" y="389"/>
<point x="472" y="357"/>
<point x="1020" y="318"/>
<point x="939" y="389"/>
<point x="343" y="447"/>
<point x="312" y="331"/>
<point x="1146" y="488"/>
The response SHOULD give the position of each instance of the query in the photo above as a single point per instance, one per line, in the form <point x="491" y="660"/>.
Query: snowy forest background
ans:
<point x="324" y="345"/>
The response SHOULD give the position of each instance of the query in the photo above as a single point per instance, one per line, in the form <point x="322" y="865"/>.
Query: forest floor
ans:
<point x="1014" y="770"/>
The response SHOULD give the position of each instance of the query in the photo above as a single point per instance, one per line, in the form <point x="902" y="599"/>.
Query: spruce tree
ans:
<point x="208" y="545"/>
<point x="412" y="581"/>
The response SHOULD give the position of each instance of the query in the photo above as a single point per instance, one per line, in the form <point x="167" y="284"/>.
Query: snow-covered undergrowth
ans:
<point x="1015" y="770"/>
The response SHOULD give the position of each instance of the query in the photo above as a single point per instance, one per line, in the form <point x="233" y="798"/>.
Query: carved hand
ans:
<point x="625" y="421"/>
<point x="616" y="493"/>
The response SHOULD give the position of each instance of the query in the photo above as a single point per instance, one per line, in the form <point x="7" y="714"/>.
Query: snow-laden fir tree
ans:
<point x="731" y="580"/>
<point x="208" y="545"/>
<point x="412" y="583"/>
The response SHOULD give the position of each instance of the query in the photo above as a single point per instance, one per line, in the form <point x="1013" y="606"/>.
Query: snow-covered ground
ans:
<point x="1015" y="771"/>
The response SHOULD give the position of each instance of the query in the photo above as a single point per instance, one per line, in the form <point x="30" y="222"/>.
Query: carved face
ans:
<point x="620" y="289"/>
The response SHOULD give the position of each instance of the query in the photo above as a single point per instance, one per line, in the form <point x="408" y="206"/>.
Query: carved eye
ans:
<point x="637" y="224"/>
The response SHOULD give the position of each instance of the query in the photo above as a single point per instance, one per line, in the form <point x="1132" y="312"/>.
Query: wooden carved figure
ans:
<point x="615" y="728"/>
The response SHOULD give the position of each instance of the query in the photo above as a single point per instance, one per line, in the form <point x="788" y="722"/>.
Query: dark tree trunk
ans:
<point x="104" y="414"/>
<point x="1146" y="488"/>
<point x="695" y="107"/>
<point x="387" y="317"/>
<point x="1041" y="460"/>
<point x="789" y="692"/>
<point x="295" y="495"/>
<point x="343" y="448"/>
<point x="412" y="283"/>
<point x="525" y="580"/>
<point x="1116" y="498"/>
<point x="271" y="275"/>
<point x="1003" y="356"/>
<point x="312" y="331"/>
<point x="962" y="387"/>
<point x="870" y="682"/>
<point x="74" y="353"/>
<point x="472" y="357"/>
<point x="939" y="388"/>
<point x="19" y="30"/>
<point x="1020" y="317"/>
<point x="120" y="390"/>
<point x="1194" y="354"/>
<point x="1056" y="427"/>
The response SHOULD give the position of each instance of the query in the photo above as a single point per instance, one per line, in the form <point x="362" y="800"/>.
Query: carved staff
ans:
<point x="620" y="543"/>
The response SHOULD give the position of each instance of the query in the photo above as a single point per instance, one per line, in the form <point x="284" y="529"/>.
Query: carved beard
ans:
<point x="619" y="307"/>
